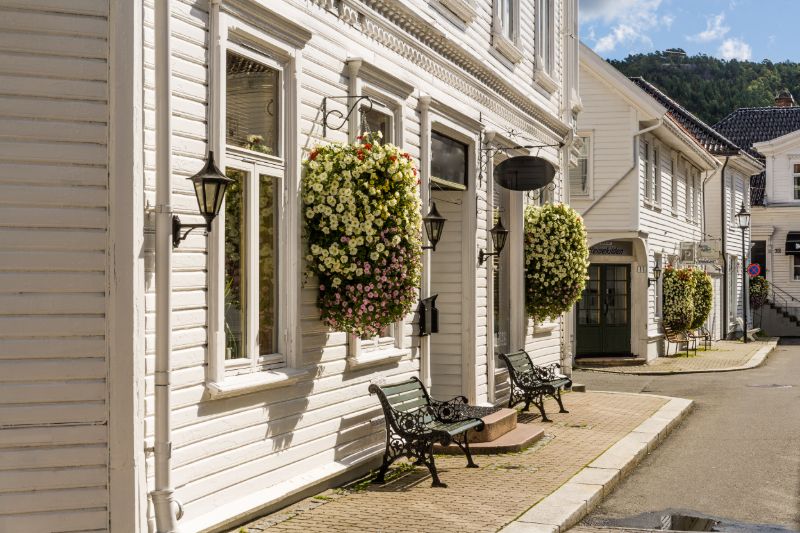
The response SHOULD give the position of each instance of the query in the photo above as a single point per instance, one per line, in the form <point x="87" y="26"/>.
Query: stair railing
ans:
<point x="784" y="301"/>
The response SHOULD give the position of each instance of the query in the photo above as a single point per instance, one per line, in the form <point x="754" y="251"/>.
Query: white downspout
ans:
<point x="425" y="193"/>
<point x="165" y="506"/>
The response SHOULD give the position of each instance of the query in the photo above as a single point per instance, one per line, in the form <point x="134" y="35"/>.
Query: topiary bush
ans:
<point x="678" y="298"/>
<point x="759" y="291"/>
<point x="556" y="260"/>
<point x="703" y="297"/>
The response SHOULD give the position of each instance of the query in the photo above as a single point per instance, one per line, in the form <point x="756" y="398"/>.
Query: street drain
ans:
<point x="682" y="520"/>
<point x="770" y="386"/>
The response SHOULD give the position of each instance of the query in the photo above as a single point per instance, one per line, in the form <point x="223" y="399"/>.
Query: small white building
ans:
<point x="120" y="397"/>
<point x="644" y="187"/>
<point x="773" y="135"/>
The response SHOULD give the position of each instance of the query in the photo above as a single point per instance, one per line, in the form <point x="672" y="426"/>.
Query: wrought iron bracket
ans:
<point x="177" y="227"/>
<point x="482" y="256"/>
<point x="326" y="115"/>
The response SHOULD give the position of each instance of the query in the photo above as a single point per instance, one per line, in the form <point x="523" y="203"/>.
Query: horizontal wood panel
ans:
<point x="52" y="239"/>
<point x="44" y="108"/>
<point x="33" y="22"/>
<point x="76" y="391"/>
<point x="52" y="174"/>
<point x="53" y="130"/>
<point x="54" y="45"/>
<point x="49" y="304"/>
<point x="53" y="217"/>
<point x="53" y="500"/>
<point x="54" y="152"/>
<point x="49" y="479"/>
<point x="66" y="521"/>
<point x="54" y="413"/>
<point x="52" y="282"/>
<point x="38" y="370"/>
<point x="52" y="261"/>
<point x="51" y="436"/>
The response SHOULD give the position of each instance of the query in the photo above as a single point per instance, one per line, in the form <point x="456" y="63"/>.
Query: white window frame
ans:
<point x="689" y="191"/>
<point x="674" y="182"/>
<point x="464" y="10"/>
<point x="587" y="191"/>
<point x="794" y="266"/>
<point x="657" y="186"/>
<point x="648" y="171"/>
<point x="696" y="195"/>
<point x="506" y="40"/>
<point x="223" y="378"/>
<point x="794" y="170"/>
<point x="732" y="205"/>
<point x="544" y="64"/>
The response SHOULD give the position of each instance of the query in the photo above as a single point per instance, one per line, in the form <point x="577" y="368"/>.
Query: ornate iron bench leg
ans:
<point x="463" y="443"/>
<point x="539" y="402"/>
<point x="387" y="461"/>
<point x="557" y="396"/>
<point x="427" y="459"/>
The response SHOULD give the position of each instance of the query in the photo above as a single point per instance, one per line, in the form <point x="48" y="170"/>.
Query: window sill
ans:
<point x="545" y="327"/>
<point x="253" y="382"/>
<point x="510" y="50"/>
<point x="376" y="357"/>
<point x="463" y="9"/>
<point x="545" y="81"/>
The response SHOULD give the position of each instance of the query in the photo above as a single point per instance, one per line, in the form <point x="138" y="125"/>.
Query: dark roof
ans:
<point x="750" y="125"/>
<point x="758" y="184"/>
<point x="713" y="141"/>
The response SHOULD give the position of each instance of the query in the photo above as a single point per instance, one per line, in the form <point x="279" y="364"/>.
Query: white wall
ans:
<point x="53" y="275"/>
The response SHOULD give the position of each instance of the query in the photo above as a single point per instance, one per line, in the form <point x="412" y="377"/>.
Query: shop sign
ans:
<point x="612" y="248"/>
<point x="709" y="252"/>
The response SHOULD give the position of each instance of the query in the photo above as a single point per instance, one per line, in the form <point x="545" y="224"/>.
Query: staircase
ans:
<point x="780" y="314"/>
<point x="502" y="434"/>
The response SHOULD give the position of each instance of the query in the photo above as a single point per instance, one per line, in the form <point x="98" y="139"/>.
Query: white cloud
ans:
<point x="667" y="21"/>
<point x="630" y="21"/>
<point x="715" y="30"/>
<point x="735" y="49"/>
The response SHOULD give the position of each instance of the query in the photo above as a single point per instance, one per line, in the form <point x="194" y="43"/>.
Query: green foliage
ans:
<point x="703" y="297"/>
<point x="712" y="88"/>
<point x="759" y="291"/>
<point x="678" y="298"/>
<point x="556" y="259"/>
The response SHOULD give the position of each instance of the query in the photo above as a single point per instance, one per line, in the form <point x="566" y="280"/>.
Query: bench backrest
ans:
<point x="675" y="336"/>
<point x="407" y="397"/>
<point x="517" y="363"/>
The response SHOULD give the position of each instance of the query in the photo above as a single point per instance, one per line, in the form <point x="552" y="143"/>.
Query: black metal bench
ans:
<point x="531" y="383"/>
<point x="415" y="422"/>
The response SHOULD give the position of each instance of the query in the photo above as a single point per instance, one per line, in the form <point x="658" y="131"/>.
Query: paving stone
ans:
<point x="523" y="527"/>
<point x="604" y="477"/>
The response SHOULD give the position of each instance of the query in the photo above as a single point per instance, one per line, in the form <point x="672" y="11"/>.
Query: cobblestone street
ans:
<point x="476" y="500"/>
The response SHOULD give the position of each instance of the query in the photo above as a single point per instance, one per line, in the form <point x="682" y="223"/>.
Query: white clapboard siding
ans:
<point x="446" y="281"/>
<point x="53" y="225"/>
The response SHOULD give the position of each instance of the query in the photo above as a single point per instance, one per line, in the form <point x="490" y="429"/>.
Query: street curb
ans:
<point x="756" y="360"/>
<point x="577" y="497"/>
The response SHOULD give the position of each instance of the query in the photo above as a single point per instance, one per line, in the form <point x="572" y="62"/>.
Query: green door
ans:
<point x="604" y="312"/>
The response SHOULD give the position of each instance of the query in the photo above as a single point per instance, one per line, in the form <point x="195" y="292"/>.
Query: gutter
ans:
<point x="658" y="124"/>
<point x="167" y="509"/>
<point x="724" y="231"/>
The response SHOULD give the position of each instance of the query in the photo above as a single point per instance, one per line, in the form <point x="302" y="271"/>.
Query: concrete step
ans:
<point x="497" y="425"/>
<point x="518" y="439"/>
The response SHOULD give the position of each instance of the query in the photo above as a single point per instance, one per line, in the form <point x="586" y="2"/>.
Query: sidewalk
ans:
<point x="723" y="356"/>
<point x="614" y="430"/>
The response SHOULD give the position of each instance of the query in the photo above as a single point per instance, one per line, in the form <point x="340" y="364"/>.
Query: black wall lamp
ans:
<point x="656" y="275"/>
<point x="434" y="226"/>
<point x="499" y="236"/>
<point x="209" y="187"/>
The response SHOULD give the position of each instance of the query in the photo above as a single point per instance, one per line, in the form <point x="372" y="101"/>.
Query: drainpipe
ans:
<point x="425" y="193"/>
<point x="164" y="504"/>
<point x="724" y="231"/>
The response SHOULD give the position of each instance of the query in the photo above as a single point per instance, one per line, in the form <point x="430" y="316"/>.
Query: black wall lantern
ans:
<point x="434" y="226"/>
<point x="499" y="237"/>
<point x="209" y="187"/>
<point x="656" y="275"/>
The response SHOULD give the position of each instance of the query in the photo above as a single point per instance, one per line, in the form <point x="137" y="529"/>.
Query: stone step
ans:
<point x="518" y="439"/>
<point x="497" y="425"/>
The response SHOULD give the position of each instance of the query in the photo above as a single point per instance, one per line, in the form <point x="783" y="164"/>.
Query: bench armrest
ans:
<point x="548" y="372"/>
<point x="413" y="422"/>
<point x="450" y="410"/>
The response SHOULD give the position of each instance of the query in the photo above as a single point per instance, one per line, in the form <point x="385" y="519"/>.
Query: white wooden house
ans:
<point x="103" y="102"/>
<point x="643" y="188"/>
<point x="772" y="134"/>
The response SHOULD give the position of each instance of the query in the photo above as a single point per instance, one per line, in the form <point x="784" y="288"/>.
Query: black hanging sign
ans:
<point x="524" y="173"/>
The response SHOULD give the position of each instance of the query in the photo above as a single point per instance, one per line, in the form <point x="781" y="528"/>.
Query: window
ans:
<point x="657" y="175"/>
<point x="759" y="256"/>
<point x="796" y="180"/>
<point x="377" y="120"/>
<point x="250" y="214"/>
<point x="673" y="177"/>
<point x="579" y="176"/>
<point x="732" y="201"/>
<point x="449" y="162"/>
<point x="659" y="263"/>
<point x="688" y="191"/>
<point x="796" y="267"/>
<point x="544" y="36"/>
<point x="648" y="171"/>
<point x="505" y="29"/>
<point x="696" y="195"/>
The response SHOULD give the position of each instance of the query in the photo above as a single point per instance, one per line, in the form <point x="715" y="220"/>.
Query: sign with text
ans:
<point x="709" y="252"/>
<point x="612" y="248"/>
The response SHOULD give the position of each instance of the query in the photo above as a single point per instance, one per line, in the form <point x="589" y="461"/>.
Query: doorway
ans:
<point x="604" y="316"/>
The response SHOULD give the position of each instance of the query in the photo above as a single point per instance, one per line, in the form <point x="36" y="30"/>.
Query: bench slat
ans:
<point x="390" y="390"/>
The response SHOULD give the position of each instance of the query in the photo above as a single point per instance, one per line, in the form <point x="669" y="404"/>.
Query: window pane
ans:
<point x="544" y="32"/>
<point x="374" y="120"/>
<point x="448" y="159"/>
<point x="506" y="16"/>
<point x="251" y="112"/>
<point x="267" y="266"/>
<point x="797" y="168"/>
<point x="235" y="260"/>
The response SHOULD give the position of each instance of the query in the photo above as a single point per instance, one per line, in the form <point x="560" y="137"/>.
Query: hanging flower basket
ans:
<point x="679" y="302"/>
<point x="759" y="292"/>
<point x="363" y="226"/>
<point x="703" y="295"/>
<point x="556" y="260"/>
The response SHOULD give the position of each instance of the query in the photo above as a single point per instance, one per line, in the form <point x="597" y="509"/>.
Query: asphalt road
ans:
<point x="737" y="455"/>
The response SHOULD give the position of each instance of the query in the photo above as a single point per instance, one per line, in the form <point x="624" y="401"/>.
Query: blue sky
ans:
<point x="729" y="29"/>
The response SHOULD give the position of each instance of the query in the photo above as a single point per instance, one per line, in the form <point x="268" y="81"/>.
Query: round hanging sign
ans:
<point x="754" y="269"/>
<point x="524" y="173"/>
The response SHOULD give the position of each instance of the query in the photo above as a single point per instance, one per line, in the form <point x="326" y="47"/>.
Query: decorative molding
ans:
<point x="544" y="81"/>
<point x="404" y="31"/>
<point x="382" y="78"/>
<point x="463" y="9"/>
<point x="269" y="21"/>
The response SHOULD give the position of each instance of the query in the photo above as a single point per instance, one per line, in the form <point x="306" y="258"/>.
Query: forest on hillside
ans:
<point x="709" y="87"/>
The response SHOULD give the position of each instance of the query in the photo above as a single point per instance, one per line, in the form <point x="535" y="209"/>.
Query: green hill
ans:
<point x="710" y="87"/>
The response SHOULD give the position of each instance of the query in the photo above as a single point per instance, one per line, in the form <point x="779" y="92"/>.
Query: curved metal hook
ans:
<point x="338" y="114"/>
